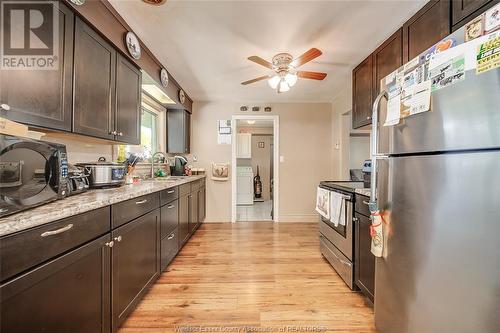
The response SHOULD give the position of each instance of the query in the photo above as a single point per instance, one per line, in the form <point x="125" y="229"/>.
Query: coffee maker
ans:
<point x="367" y="172"/>
<point x="178" y="168"/>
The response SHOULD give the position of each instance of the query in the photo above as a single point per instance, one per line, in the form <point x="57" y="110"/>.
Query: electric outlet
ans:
<point x="195" y="158"/>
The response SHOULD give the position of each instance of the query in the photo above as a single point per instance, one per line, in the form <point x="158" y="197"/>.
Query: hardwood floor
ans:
<point x="251" y="277"/>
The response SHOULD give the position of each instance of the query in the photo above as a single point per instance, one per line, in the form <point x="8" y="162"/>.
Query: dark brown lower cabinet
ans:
<point x="169" y="248"/>
<point x="193" y="211"/>
<point x="135" y="263"/>
<point x="364" y="267"/>
<point x="202" y="196"/>
<point x="184" y="208"/>
<point x="68" y="294"/>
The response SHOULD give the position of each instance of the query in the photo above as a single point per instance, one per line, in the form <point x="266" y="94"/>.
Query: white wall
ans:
<point x="359" y="150"/>
<point x="305" y="144"/>
<point x="341" y="124"/>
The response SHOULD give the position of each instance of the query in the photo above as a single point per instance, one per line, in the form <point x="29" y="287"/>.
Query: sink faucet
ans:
<point x="153" y="162"/>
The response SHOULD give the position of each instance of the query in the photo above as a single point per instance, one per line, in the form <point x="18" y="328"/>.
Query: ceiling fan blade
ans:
<point x="311" y="75"/>
<point x="306" y="57"/>
<point x="261" y="61"/>
<point x="260" y="78"/>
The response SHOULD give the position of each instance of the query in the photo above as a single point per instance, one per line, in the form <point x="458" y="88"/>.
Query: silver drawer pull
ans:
<point x="110" y="244"/>
<point x="170" y="206"/>
<point x="342" y="261"/>
<point x="171" y="191"/>
<point x="141" y="202"/>
<point x="366" y="202"/>
<point x="58" y="231"/>
<point x="171" y="236"/>
<point x="118" y="239"/>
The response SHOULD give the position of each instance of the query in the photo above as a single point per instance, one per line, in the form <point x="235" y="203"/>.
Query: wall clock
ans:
<point x="133" y="46"/>
<point x="164" y="77"/>
<point x="182" y="96"/>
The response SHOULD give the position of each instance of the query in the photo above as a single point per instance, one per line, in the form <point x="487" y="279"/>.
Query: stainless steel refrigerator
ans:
<point x="438" y="181"/>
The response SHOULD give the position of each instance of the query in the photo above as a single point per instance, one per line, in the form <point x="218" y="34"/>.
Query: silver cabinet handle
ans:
<point x="110" y="244"/>
<point x="118" y="239"/>
<point x="5" y="107"/>
<point x="58" y="231"/>
<point x="170" y="206"/>
<point x="366" y="202"/>
<point x="171" y="191"/>
<point x="112" y="132"/>
<point x="140" y="202"/>
<point x="355" y="219"/>
<point x="119" y="134"/>
<point x="172" y="235"/>
<point x="368" y="118"/>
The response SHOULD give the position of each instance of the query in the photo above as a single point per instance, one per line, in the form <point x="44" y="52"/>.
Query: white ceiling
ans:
<point x="204" y="44"/>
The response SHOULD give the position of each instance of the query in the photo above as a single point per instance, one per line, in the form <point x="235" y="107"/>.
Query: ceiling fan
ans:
<point x="284" y="65"/>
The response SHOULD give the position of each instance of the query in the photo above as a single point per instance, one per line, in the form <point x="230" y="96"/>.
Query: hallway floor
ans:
<point x="246" y="276"/>
<point x="259" y="211"/>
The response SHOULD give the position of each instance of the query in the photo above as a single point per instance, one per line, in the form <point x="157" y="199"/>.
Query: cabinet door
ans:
<point x="169" y="218"/>
<point x="193" y="211"/>
<point x="68" y="294"/>
<point x="128" y="101"/>
<point x="364" y="272"/>
<point x="135" y="263"/>
<point x="362" y="93"/>
<point x="183" y="219"/>
<point x="387" y="58"/>
<point x="201" y="204"/>
<point x="427" y="27"/>
<point x="42" y="98"/>
<point x="463" y="11"/>
<point x="244" y="145"/>
<point x="178" y="131"/>
<point x="94" y="83"/>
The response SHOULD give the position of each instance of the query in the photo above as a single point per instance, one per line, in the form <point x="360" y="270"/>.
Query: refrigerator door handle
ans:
<point x="374" y="138"/>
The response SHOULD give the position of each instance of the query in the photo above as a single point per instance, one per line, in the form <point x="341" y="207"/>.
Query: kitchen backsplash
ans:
<point x="81" y="151"/>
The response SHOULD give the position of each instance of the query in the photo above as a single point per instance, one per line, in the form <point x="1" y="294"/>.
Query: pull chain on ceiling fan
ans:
<point x="284" y="66"/>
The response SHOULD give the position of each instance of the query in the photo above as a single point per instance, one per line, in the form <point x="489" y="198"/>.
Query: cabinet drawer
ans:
<point x="126" y="211"/>
<point x="184" y="189"/>
<point x="361" y="205"/>
<point x="26" y="249"/>
<point x="169" y="248"/>
<point x="196" y="185"/>
<point x="342" y="265"/>
<point x="169" y="217"/>
<point x="169" y="195"/>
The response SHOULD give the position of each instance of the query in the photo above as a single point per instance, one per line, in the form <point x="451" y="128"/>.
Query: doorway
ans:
<point x="254" y="168"/>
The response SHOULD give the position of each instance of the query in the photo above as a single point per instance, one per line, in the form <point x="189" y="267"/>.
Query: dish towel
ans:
<point x="323" y="202"/>
<point x="377" y="234"/>
<point x="337" y="210"/>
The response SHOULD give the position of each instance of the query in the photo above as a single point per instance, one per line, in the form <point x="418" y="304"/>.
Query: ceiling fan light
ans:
<point x="291" y="79"/>
<point x="283" y="86"/>
<point x="274" y="81"/>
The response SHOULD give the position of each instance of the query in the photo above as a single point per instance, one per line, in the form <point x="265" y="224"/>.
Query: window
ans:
<point x="149" y="132"/>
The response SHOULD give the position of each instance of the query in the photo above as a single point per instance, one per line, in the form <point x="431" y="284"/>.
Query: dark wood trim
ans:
<point x="101" y="15"/>
<point x="386" y="43"/>
<point x="471" y="16"/>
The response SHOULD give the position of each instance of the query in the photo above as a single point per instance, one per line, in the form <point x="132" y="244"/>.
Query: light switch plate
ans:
<point x="282" y="158"/>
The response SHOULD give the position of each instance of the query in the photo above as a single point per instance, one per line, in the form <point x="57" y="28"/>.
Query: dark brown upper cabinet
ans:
<point x="462" y="11"/>
<point x="427" y="27"/>
<point x="362" y="93"/>
<point x="94" y="83"/>
<point x="42" y="98"/>
<point x="107" y="89"/>
<point x="386" y="59"/>
<point x="128" y="101"/>
<point x="178" y="131"/>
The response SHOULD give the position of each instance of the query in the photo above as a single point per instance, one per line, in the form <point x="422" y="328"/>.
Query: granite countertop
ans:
<point x="84" y="202"/>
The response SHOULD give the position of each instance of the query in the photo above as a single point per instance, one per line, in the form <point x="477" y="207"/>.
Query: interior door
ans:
<point x="440" y="268"/>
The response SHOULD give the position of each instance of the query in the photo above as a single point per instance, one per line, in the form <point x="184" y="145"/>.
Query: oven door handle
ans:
<point x="341" y="260"/>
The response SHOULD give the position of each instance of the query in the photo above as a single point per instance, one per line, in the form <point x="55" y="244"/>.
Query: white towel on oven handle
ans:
<point x="337" y="208"/>
<point x="323" y="202"/>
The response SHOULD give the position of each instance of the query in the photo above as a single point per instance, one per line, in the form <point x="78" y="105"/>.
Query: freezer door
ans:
<point x="441" y="268"/>
<point x="465" y="115"/>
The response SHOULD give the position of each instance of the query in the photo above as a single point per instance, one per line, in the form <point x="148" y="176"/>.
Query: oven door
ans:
<point x="340" y="236"/>
<point x="29" y="174"/>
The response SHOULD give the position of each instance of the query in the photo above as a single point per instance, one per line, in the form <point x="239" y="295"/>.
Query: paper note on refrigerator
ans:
<point x="393" y="111"/>
<point x="421" y="98"/>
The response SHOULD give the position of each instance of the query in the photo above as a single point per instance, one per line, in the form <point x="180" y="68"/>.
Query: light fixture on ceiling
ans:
<point x="157" y="93"/>
<point x="155" y="2"/>
<point x="250" y="122"/>
<point x="284" y="65"/>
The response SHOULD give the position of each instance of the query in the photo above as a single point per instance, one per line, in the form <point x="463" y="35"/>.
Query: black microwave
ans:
<point x="32" y="173"/>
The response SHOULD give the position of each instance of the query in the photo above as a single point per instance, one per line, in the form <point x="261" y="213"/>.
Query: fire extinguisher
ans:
<point x="257" y="185"/>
